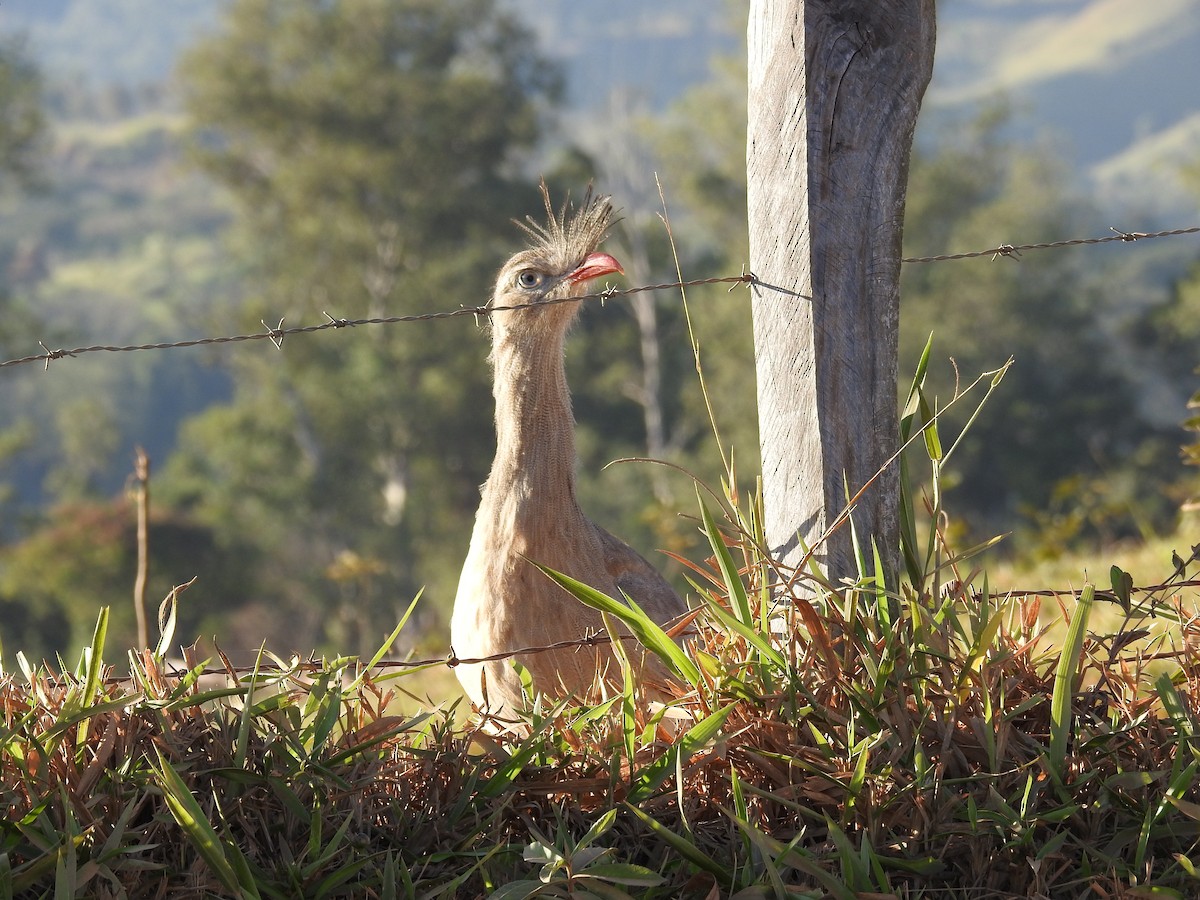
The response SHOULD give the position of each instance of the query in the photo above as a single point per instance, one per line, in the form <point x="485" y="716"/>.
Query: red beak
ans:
<point x="595" y="266"/>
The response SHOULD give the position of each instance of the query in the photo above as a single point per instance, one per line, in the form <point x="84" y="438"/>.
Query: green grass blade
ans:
<point x="795" y="857"/>
<point x="758" y="641"/>
<point x="95" y="657"/>
<point x="64" y="722"/>
<point x="929" y="428"/>
<point x="699" y="735"/>
<point x="326" y="712"/>
<point x="599" y="828"/>
<point x="1065" y="678"/>
<point x="917" y="382"/>
<point x="681" y="845"/>
<point x="247" y="717"/>
<point x="645" y="629"/>
<point x="168" y="613"/>
<point x="734" y="585"/>
<point x="507" y="772"/>
<point x="386" y="645"/>
<point x="204" y="838"/>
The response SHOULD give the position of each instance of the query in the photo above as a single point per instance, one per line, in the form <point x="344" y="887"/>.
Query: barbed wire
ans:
<point x="277" y="333"/>
<point x="590" y="639"/>
<point x="1013" y="251"/>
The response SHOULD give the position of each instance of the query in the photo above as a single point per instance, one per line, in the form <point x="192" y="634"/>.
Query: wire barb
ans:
<point x="277" y="334"/>
<point x="52" y="354"/>
<point x="747" y="278"/>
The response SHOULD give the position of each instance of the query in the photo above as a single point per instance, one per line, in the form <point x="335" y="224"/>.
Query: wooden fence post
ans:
<point x="834" y="91"/>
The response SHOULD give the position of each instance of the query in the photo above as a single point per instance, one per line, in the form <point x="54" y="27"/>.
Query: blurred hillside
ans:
<point x="1115" y="81"/>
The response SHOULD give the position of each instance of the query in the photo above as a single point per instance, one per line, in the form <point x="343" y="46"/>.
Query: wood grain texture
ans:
<point x="834" y="91"/>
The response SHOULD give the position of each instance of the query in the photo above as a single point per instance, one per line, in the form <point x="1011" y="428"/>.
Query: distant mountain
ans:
<point x="1115" y="80"/>
<point x="659" y="48"/>
<point x="113" y="42"/>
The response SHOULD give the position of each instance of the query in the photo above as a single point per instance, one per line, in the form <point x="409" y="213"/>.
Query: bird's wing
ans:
<point x="640" y="580"/>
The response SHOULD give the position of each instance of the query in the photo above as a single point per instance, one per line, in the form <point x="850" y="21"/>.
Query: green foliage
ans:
<point x="22" y="121"/>
<point x="579" y="869"/>
<point x="1173" y="329"/>
<point x="90" y="260"/>
<point x="22" y="147"/>
<point x="364" y="138"/>
<point x="1069" y="408"/>
<point x="84" y="557"/>
<point x="371" y="148"/>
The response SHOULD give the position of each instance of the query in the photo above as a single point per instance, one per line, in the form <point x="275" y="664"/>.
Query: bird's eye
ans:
<point x="528" y="278"/>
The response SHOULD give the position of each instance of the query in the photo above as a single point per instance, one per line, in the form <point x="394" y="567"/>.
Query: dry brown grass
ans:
<point x="953" y="750"/>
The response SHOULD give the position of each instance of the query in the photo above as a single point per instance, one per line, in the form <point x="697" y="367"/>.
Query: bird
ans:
<point x="528" y="511"/>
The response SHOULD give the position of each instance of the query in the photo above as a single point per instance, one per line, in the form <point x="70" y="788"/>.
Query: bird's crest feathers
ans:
<point x="571" y="234"/>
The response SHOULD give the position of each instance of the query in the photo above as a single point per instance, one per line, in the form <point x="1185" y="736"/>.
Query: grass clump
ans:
<point x="878" y="737"/>
<point x="821" y="748"/>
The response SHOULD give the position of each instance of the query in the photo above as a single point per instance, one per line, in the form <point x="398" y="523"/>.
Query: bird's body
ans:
<point x="529" y="512"/>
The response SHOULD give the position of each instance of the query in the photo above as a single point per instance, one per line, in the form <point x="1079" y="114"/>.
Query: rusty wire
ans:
<point x="1014" y="251"/>
<point x="276" y="334"/>
<point x="591" y="639"/>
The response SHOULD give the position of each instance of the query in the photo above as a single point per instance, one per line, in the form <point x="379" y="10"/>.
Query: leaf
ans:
<point x="645" y="629"/>
<point x="1189" y="809"/>
<point x="598" y="829"/>
<point x="1173" y="705"/>
<point x="622" y="873"/>
<point x="95" y="657"/>
<point x="699" y="735"/>
<point x="910" y="405"/>
<point x="195" y="825"/>
<point x="1122" y="586"/>
<point x="929" y="428"/>
<point x="734" y="585"/>
<point x="1064" y="682"/>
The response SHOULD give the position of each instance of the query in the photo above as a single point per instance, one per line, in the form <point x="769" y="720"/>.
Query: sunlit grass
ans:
<point x="934" y="736"/>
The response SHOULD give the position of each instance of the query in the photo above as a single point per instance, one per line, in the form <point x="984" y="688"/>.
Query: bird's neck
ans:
<point x="534" y="469"/>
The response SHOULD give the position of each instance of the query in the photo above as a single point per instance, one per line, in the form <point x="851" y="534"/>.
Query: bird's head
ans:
<point x="559" y="262"/>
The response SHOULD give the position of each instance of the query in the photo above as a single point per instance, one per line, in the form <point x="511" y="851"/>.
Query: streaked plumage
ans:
<point x="529" y="509"/>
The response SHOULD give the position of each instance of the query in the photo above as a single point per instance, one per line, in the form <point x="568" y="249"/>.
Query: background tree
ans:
<point x="1171" y="335"/>
<point x="22" y="121"/>
<point x="1066" y="447"/>
<point x="23" y="136"/>
<point x="1070" y="448"/>
<point x="53" y="583"/>
<point x="373" y="148"/>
